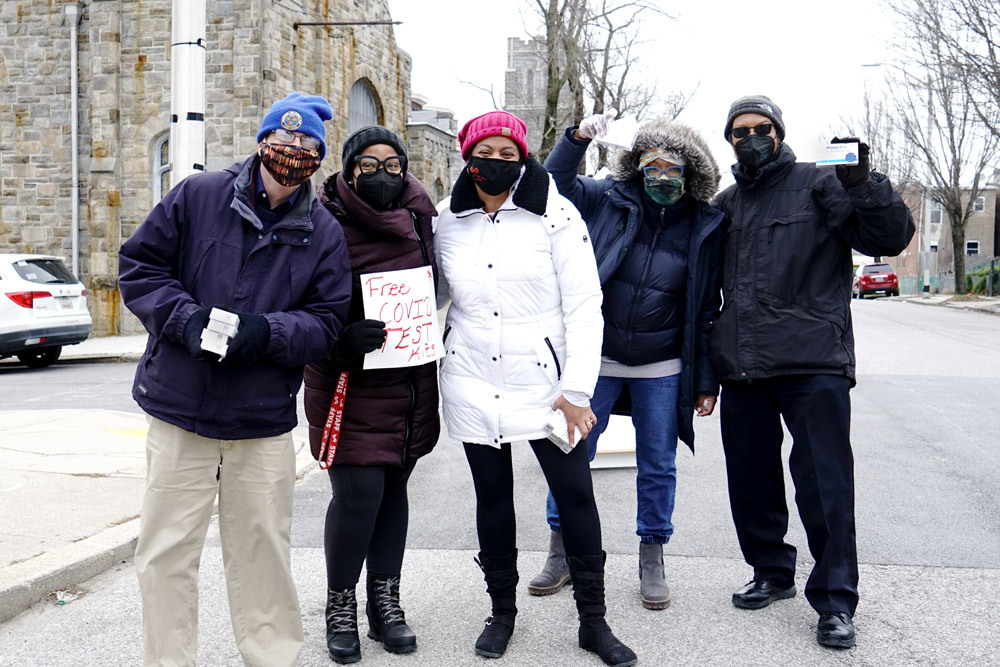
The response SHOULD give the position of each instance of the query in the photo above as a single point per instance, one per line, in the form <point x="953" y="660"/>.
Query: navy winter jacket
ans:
<point x="188" y="255"/>
<point x="613" y="210"/>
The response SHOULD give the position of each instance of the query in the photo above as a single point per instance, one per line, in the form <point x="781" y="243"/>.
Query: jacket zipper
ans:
<point x="642" y="279"/>
<point x="554" y="358"/>
<point x="420" y="240"/>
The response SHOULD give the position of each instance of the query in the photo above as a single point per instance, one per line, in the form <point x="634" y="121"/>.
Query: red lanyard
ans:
<point x="331" y="430"/>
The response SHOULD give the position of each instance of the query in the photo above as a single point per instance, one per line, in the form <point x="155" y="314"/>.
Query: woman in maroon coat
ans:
<point x="388" y="418"/>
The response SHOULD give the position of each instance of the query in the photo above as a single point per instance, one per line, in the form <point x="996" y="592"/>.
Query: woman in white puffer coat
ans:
<point x="522" y="338"/>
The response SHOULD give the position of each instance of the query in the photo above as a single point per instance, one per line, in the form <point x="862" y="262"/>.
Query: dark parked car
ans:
<point x="874" y="279"/>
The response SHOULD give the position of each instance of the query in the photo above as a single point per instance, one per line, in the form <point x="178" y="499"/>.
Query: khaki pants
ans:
<point x="254" y="485"/>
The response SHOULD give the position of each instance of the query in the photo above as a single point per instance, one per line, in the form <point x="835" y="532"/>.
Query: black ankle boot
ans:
<point x="595" y="635"/>
<point x="386" y="621"/>
<point x="342" y="626"/>
<point x="501" y="584"/>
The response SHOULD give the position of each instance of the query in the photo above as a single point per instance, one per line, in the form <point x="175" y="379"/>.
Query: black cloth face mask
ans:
<point x="494" y="177"/>
<point x="754" y="151"/>
<point x="379" y="188"/>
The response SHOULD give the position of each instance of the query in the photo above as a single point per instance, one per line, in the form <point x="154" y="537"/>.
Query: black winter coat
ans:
<point x="613" y="211"/>
<point x="787" y="267"/>
<point x="391" y="414"/>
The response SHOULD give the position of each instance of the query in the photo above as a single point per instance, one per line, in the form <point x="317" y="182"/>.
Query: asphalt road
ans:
<point x="924" y="432"/>
<point x="67" y="384"/>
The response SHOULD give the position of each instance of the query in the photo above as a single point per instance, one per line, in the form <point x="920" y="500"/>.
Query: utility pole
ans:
<point x="187" y="89"/>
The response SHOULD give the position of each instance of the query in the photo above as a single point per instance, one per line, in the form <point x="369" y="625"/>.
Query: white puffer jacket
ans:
<point x="525" y="322"/>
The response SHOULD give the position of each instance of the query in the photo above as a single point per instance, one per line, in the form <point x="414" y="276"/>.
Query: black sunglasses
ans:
<point x="762" y="130"/>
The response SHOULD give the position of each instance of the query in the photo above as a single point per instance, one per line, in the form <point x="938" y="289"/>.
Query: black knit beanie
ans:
<point x="756" y="104"/>
<point x="369" y="136"/>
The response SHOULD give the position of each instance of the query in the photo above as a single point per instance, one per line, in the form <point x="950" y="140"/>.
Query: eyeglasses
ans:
<point x="369" y="164"/>
<point x="673" y="171"/>
<point x="762" y="130"/>
<point x="285" y="137"/>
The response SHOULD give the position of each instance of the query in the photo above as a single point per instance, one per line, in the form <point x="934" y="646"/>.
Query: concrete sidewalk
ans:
<point x="71" y="486"/>
<point x="980" y="304"/>
<point x="109" y="348"/>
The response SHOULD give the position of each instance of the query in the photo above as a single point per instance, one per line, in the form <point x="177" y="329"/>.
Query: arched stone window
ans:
<point x="161" y="167"/>
<point x="363" y="106"/>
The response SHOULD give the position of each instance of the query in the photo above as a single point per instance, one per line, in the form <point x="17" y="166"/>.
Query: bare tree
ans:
<point x="590" y="50"/>
<point x="969" y="34"/>
<point x="880" y="126"/>
<point x="564" y="21"/>
<point x="941" y="118"/>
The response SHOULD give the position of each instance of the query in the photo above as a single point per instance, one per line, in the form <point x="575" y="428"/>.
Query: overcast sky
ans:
<point x="806" y="55"/>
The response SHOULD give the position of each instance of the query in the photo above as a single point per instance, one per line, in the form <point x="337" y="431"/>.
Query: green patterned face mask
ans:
<point x="664" y="191"/>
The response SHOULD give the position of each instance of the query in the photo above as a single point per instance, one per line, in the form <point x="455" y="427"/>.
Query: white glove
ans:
<point x="595" y="126"/>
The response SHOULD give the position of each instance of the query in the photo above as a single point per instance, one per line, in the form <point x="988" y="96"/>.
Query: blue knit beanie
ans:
<point x="299" y="113"/>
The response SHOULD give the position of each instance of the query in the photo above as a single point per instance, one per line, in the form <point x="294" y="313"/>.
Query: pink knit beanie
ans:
<point x="493" y="124"/>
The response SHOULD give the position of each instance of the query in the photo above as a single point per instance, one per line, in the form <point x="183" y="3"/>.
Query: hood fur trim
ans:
<point x="702" y="175"/>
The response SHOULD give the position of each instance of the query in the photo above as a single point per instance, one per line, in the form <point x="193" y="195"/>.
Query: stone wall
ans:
<point x="255" y="54"/>
<point x="525" y="85"/>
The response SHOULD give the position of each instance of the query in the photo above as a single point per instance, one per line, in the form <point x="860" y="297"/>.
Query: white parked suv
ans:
<point x="42" y="307"/>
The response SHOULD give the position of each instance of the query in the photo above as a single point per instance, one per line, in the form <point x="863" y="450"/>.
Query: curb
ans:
<point x="972" y="309"/>
<point x="32" y="580"/>
<point x="25" y="584"/>
<point x="109" y="358"/>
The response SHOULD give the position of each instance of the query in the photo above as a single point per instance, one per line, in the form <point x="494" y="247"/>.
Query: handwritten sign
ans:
<point x="404" y="300"/>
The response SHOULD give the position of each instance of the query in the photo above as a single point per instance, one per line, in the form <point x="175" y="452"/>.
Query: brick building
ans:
<point x="257" y="51"/>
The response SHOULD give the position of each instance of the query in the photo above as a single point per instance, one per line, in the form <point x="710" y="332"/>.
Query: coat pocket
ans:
<point x="548" y="360"/>
<point x="785" y="258"/>
<point x="448" y="345"/>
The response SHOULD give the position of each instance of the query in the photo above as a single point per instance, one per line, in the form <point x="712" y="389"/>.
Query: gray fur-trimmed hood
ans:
<point x="702" y="175"/>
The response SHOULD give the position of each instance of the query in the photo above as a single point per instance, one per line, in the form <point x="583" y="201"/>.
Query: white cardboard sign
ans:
<point x="405" y="301"/>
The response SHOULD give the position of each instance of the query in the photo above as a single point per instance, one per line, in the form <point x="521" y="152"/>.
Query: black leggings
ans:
<point x="568" y="477"/>
<point x="367" y="517"/>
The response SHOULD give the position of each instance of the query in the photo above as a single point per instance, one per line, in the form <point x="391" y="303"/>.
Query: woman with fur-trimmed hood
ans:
<point x="657" y="243"/>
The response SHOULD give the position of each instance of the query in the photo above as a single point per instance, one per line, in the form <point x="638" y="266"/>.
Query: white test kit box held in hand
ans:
<point x="222" y="326"/>
<point x="836" y="154"/>
<point x="213" y="341"/>
<point x="224" y="316"/>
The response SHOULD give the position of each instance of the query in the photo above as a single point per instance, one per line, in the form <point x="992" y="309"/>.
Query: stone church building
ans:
<point x="257" y="51"/>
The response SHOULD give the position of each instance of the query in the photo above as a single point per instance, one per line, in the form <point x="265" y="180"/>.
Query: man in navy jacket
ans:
<point x="783" y="348"/>
<point x="252" y="240"/>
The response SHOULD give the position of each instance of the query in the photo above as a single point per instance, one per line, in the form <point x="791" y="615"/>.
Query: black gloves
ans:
<point x="250" y="342"/>
<point x="192" y="332"/>
<point x="857" y="174"/>
<point x="361" y="338"/>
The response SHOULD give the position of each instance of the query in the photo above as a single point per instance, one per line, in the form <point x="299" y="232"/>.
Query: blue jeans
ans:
<point x="654" y="415"/>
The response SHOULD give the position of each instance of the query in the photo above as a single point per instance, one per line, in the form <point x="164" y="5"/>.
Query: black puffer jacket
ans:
<point x="787" y="267"/>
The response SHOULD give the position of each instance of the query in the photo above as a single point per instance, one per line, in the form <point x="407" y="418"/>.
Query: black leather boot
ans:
<point x="342" y="626"/>
<point x="595" y="635"/>
<point x="386" y="621"/>
<point x="501" y="584"/>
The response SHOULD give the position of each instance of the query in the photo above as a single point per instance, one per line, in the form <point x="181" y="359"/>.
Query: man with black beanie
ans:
<point x="783" y="349"/>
